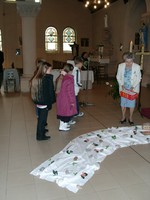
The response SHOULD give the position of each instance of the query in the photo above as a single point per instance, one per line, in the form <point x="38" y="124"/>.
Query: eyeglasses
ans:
<point x="128" y="61"/>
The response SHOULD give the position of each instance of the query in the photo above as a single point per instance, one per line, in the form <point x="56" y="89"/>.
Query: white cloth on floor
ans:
<point x="72" y="167"/>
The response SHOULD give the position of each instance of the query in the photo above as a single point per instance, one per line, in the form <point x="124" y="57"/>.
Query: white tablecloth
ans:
<point x="85" y="75"/>
<point x="87" y="79"/>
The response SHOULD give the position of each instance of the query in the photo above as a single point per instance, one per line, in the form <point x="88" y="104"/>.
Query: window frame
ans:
<point x="1" y="48"/>
<point x="70" y="43"/>
<point x="55" y="43"/>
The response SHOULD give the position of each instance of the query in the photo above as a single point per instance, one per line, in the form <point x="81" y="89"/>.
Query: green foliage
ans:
<point x="114" y="91"/>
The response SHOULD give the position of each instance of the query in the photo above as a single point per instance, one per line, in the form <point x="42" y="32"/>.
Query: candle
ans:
<point x="131" y="46"/>
<point x="142" y="49"/>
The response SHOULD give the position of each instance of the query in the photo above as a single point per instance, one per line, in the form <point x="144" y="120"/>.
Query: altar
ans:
<point x="99" y="60"/>
<point x="87" y="78"/>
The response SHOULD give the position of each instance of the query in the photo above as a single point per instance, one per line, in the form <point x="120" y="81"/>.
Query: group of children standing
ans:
<point x="65" y="95"/>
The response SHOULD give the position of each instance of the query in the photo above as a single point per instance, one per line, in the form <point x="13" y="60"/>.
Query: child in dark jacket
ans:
<point x="43" y="95"/>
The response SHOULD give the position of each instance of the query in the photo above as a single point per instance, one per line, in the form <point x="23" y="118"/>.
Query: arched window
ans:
<point x="51" y="39"/>
<point x="0" y="40"/>
<point x="69" y="38"/>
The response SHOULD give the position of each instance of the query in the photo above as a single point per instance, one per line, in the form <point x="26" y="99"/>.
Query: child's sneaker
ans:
<point x="80" y="114"/>
<point x="72" y="122"/>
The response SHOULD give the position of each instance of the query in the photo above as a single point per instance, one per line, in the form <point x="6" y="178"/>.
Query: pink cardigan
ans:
<point x="66" y="97"/>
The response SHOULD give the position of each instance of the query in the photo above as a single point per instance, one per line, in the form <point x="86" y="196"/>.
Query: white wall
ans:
<point x="123" y="21"/>
<point x="10" y="25"/>
<point x="56" y="13"/>
<point x="61" y="14"/>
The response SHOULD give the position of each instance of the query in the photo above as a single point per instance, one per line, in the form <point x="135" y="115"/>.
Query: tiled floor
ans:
<point x="124" y="175"/>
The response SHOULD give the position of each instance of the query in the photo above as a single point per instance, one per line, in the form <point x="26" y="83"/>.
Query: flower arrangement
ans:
<point x="114" y="89"/>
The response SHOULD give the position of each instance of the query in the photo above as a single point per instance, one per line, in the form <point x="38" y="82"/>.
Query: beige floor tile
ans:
<point x="125" y="152"/>
<point x="148" y="182"/>
<point x="19" y="178"/>
<point x="18" y="127"/>
<point x="19" y="154"/>
<point x="136" y="160"/>
<point x="138" y="191"/>
<point x="113" y="194"/>
<point x="2" y="193"/>
<point x="143" y="172"/>
<point x="85" y="196"/>
<point x="5" y="127"/>
<point x="46" y="190"/>
<point x="115" y="163"/>
<point x="22" y="192"/>
<point x="87" y="189"/>
<point x="3" y="178"/>
<point x="4" y="142"/>
<point x="103" y="181"/>
<point x="124" y="175"/>
<point x="19" y="164"/>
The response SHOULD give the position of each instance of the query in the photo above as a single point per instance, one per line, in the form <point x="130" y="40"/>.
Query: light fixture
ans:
<point x="14" y="1"/>
<point x="96" y="3"/>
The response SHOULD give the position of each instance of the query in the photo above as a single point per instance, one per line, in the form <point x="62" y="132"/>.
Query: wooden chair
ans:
<point x="101" y="73"/>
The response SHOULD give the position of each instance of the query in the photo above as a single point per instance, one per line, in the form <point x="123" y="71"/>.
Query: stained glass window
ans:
<point x="51" y="39"/>
<point x="69" y="37"/>
<point x="0" y="41"/>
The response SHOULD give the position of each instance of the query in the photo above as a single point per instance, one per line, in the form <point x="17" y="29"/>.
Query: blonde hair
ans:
<point x="36" y="82"/>
<point x="42" y="68"/>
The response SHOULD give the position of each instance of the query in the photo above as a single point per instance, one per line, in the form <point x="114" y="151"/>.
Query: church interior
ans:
<point x="105" y="33"/>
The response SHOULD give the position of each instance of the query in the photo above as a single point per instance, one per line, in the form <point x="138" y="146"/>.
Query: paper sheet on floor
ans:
<point x="72" y="167"/>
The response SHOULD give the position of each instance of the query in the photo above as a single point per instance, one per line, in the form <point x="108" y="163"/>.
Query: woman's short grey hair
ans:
<point x="128" y="55"/>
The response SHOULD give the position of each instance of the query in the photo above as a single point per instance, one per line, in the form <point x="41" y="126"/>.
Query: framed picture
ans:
<point x="84" y="42"/>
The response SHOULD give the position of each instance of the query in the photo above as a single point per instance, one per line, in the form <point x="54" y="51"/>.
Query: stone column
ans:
<point x="28" y="11"/>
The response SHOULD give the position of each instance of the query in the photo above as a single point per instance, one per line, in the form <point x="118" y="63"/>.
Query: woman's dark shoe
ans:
<point x="131" y="123"/>
<point x="44" y="138"/>
<point x="123" y="121"/>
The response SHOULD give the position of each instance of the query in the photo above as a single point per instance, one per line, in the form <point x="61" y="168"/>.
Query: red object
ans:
<point x="129" y="94"/>
<point x="145" y="112"/>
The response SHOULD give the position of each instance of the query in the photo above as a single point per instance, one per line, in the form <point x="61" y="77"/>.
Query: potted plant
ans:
<point x="114" y="89"/>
